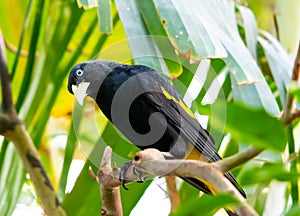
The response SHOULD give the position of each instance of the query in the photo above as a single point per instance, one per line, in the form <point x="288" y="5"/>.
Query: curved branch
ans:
<point x="12" y="128"/>
<point x="152" y="161"/>
<point x="144" y="160"/>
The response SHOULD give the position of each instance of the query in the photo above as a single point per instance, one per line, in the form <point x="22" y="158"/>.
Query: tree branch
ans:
<point x="111" y="204"/>
<point x="288" y="115"/>
<point x="295" y="115"/>
<point x="144" y="160"/>
<point x="12" y="128"/>
<point x="152" y="161"/>
<point x="14" y="49"/>
<point x="109" y="185"/>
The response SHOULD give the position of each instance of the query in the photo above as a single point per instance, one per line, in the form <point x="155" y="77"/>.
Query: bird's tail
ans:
<point x="209" y="189"/>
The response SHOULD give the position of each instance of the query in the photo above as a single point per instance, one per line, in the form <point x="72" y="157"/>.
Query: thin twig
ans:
<point x="275" y="14"/>
<point x="173" y="192"/>
<point x="294" y="116"/>
<point x="287" y="116"/>
<point x="238" y="159"/>
<point x="14" y="49"/>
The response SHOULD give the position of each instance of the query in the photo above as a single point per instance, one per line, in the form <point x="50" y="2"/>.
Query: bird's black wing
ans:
<point x="163" y="98"/>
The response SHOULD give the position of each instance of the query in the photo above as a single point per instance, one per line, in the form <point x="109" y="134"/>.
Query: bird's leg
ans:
<point x="139" y="174"/>
<point x="127" y="168"/>
<point x="122" y="173"/>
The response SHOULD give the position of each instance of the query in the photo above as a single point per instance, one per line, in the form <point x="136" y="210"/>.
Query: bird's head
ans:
<point x="85" y="78"/>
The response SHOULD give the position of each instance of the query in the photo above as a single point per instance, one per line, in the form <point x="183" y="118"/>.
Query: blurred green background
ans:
<point x="245" y="63"/>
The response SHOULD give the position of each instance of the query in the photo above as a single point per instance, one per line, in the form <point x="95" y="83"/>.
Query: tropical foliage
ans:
<point x="213" y="52"/>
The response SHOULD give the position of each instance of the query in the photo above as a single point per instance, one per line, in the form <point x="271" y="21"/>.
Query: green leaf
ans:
<point x="103" y="38"/>
<point x="11" y="181"/>
<point x="215" y="87"/>
<point x="142" y="46"/>
<point x="155" y="27"/>
<point x="105" y="17"/>
<point x="207" y="205"/>
<point x="189" y="32"/>
<point x="281" y="70"/>
<point x="45" y="81"/>
<point x="122" y="148"/>
<point x="187" y="192"/>
<point x="220" y="32"/>
<point x="294" y="89"/>
<point x="87" y="3"/>
<point x="266" y="173"/>
<point x="260" y="195"/>
<point x="132" y="196"/>
<point x="255" y="93"/>
<point x="69" y="151"/>
<point x="24" y="28"/>
<point x="79" y="51"/>
<point x="251" y="31"/>
<point x="232" y="147"/>
<point x="293" y="165"/>
<point x="245" y="125"/>
<point x="86" y="189"/>
<point x="294" y="211"/>
<point x="248" y="83"/>
<point x="31" y="55"/>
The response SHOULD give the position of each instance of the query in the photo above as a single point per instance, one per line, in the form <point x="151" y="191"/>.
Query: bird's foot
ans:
<point x="129" y="167"/>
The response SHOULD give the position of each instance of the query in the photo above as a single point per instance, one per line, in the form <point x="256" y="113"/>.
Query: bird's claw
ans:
<point x="122" y="173"/>
<point x="139" y="174"/>
<point x="135" y="170"/>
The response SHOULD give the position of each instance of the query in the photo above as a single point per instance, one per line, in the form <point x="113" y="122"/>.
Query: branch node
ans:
<point x="102" y="211"/>
<point x="109" y="186"/>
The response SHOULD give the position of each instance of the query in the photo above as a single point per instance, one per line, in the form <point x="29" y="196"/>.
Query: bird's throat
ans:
<point x="80" y="91"/>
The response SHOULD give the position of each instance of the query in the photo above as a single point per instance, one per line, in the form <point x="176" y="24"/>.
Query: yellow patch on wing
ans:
<point x="179" y="102"/>
<point x="194" y="154"/>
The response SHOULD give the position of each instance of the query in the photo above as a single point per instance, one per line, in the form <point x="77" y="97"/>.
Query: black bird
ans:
<point x="148" y="110"/>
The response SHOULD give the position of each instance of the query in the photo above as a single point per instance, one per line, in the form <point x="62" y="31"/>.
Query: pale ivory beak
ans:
<point x="80" y="92"/>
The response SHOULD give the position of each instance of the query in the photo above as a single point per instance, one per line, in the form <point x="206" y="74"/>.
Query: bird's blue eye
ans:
<point x="79" y="72"/>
